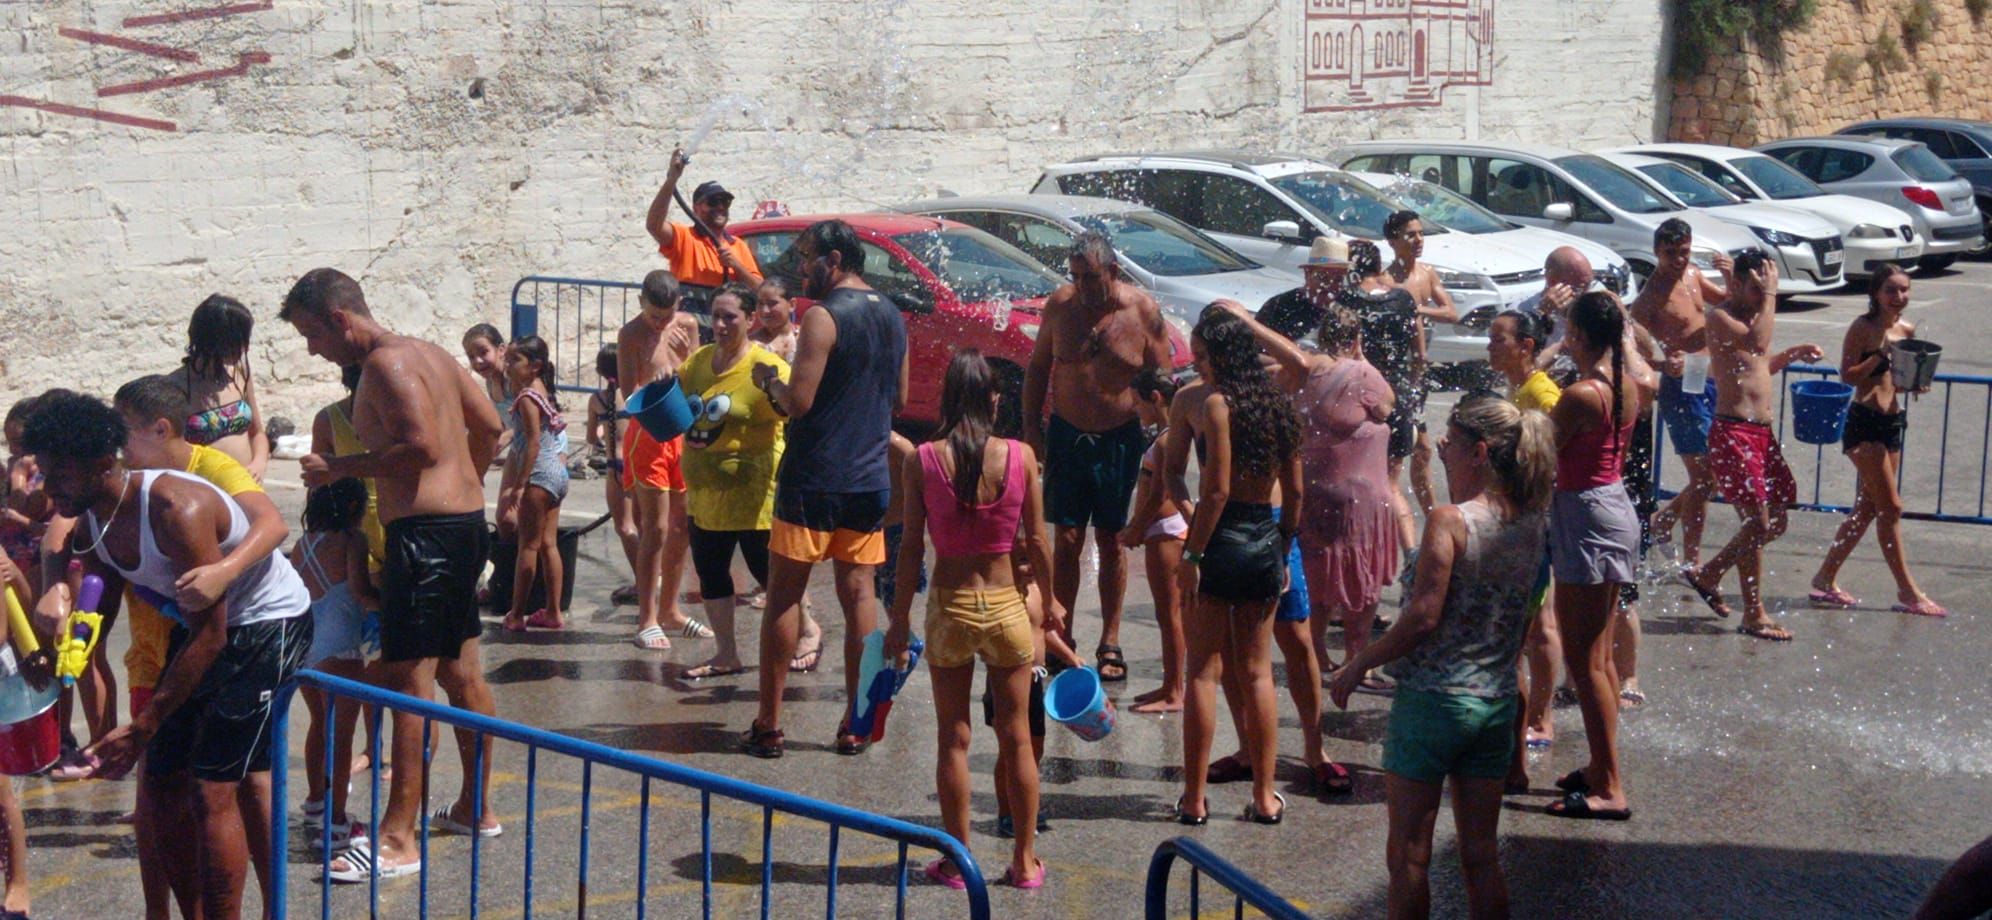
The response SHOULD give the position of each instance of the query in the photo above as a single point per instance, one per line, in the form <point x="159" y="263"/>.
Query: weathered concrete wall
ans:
<point x="440" y="150"/>
<point x="1850" y="61"/>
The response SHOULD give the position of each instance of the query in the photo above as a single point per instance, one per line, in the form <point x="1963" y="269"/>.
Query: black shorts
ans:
<point x="1245" y="560"/>
<point x="428" y="585"/>
<point x="1868" y="425"/>
<point x="1089" y="476"/>
<point x="1036" y="705"/>
<point x="222" y="732"/>
<point x="1406" y="419"/>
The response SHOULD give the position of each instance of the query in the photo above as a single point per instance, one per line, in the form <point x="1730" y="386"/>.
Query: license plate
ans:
<point x="1835" y="257"/>
<point x="1903" y="252"/>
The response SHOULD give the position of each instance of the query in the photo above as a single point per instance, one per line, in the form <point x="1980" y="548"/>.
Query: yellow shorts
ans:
<point x="145" y="660"/>
<point x="964" y="624"/>
<point x="844" y="526"/>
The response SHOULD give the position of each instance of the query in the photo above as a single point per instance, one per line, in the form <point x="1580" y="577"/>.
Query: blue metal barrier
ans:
<point x="577" y="316"/>
<point x="591" y="755"/>
<point x="1245" y="889"/>
<point x="1832" y="475"/>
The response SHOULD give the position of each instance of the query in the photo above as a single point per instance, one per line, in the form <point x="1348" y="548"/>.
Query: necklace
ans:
<point x="124" y="485"/>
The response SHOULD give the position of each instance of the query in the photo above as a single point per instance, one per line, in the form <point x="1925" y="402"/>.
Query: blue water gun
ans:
<point x="878" y="683"/>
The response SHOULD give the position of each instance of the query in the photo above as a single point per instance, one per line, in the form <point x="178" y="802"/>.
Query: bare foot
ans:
<point x="1164" y="704"/>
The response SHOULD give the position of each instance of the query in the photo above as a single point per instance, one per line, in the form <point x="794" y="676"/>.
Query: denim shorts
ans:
<point x="1687" y="415"/>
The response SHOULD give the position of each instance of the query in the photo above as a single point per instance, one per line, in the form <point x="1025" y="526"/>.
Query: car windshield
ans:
<point x="1778" y="180"/>
<point x="1688" y="185"/>
<point x="1621" y="188"/>
<point x="1922" y="165"/>
<point x="979" y="267"/>
<point x="1163" y="245"/>
<point x="1445" y="207"/>
<point x="1343" y="201"/>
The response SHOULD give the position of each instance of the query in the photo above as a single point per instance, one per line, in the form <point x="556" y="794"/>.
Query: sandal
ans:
<point x="514" y="624"/>
<point x="541" y="619"/>
<point x="1770" y="632"/>
<point x="1835" y="599"/>
<point x="1632" y="699"/>
<point x="652" y="638"/>
<point x="1574" y="781"/>
<point x="1227" y="769"/>
<point x="850" y="745"/>
<point x="1713" y="598"/>
<point x="806" y="662"/>
<point x="1253" y="814"/>
<point x="362" y="863"/>
<point x="765" y="743"/>
<point x="1110" y="656"/>
<point x="1189" y="820"/>
<point x="1331" y="778"/>
<point x="694" y="629"/>
<point x="1922" y="608"/>
<point x="1010" y="878"/>
<point x="1378" y="686"/>
<point x="624" y="596"/>
<point x="441" y="821"/>
<point x="705" y="671"/>
<point x="937" y="874"/>
<point x="1577" y="805"/>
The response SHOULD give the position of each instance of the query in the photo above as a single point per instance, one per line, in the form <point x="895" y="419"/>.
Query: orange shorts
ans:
<point x="652" y="463"/>
<point x="815" y="526"/>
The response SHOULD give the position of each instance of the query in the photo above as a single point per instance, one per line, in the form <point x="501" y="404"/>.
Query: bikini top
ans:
<point x="210" y="425"/>
<point x="961" y="529"/>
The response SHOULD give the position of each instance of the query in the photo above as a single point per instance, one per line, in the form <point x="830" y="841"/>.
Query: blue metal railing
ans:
<point x="577" y="316"/>
<point x="1245" y="889"/>
<point x="1832" y="476"/>
<point x="591" y="755"/>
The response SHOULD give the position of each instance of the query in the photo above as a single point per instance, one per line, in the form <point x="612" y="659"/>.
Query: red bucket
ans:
<point x="30" y="746"/>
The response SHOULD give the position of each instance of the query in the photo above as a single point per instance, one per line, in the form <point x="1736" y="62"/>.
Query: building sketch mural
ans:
<point x="1391" y="54"/>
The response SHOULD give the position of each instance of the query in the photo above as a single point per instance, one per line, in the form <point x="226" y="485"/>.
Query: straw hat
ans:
<point x="1327" y="252"/>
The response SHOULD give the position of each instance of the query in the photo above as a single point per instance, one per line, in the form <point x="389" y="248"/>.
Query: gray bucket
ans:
<point x="1913" y="363"/>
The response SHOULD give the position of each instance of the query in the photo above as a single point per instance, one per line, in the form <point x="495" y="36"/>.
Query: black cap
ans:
<point x="711" y="189"/>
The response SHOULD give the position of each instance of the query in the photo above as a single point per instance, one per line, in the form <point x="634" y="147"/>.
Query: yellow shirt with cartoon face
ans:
<point x="734" y="444"/>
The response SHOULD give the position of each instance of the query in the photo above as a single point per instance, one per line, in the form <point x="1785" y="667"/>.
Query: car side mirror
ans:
<point x="1559" y="211"/>
<point x="909" y="302"/>
<point x="1284" y="231"/>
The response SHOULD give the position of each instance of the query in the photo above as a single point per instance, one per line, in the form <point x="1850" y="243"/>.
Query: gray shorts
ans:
<point x="1594" y="536"/>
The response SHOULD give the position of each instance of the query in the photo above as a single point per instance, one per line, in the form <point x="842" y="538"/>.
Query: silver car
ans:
<point x="1811" y="255"/>
<point x="1900" y="173"/>
<point x="1180" y="266"/>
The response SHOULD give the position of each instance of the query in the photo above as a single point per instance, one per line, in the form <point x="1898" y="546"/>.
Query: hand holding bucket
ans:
<point x="661" y="408"/>
<point x="1077" y="700"/>
<point x="1912" y="364"/>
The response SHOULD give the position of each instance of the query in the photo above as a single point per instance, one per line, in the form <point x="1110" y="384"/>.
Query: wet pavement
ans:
<point x="1834" y="776"/>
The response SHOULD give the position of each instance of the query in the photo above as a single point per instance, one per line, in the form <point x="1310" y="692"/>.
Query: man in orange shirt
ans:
<point x="702" y="254"/>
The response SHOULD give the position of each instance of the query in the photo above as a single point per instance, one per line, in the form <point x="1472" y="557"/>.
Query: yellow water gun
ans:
<point x="80" y="632"/>
<point x="18" y="629"/>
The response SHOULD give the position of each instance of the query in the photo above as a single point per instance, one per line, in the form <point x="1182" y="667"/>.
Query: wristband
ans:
<point x="1192" y="557"/>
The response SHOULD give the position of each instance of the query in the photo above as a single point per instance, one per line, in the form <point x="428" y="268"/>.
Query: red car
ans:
<point x="958" y="287"/>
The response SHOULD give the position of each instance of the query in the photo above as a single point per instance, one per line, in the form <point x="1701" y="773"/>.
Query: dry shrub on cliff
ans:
<point x="1705" y="29"/>
<point x="1919" y="22"/>
<point x="1933" y="87"/>
<point x="1843" y="67"/>
<point x="1977" y="8"/>
<point x="1885" y="56"/>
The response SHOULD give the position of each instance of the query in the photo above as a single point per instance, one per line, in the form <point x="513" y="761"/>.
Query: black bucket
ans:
<point x="505" y="555"/>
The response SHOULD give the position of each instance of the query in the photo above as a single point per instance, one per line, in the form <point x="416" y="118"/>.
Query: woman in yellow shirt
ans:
<point x="1514" y="340"/>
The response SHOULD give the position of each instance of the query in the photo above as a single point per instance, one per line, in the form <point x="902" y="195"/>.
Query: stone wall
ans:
<point x="1850" y="61"/>
<point x="160" y="150"/>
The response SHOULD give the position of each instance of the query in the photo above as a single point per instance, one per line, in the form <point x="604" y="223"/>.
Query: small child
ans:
<point x="1048" y="642"/>
<point x="605" y="436"/>
<point x="536" y="481"/>
<point x="12" y="823"/>
<point x="345" y="623"/>
<point x="24" y="509"/>
<point x="1158" y="524"/>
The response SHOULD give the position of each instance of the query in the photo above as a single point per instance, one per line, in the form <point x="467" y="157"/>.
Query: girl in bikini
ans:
<point x="536" y="478"/>
<point x="222" y="411"/>
<point x="1158" y="523"/>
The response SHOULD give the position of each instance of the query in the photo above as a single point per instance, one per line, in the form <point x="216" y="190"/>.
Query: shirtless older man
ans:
<point x="1098" y="333"/>
<point x="1671" y="309"/>
<point x="413" y="401"/>
<point x="649" y="348"/>
<point x="1743" y="457"/>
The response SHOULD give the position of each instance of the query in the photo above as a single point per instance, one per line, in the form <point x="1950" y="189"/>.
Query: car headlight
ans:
<point x="1870" y="232"/>
<point x="1462" y="281"/>
<point x="1704" y="259"/>
<point x="1775" y="237"/>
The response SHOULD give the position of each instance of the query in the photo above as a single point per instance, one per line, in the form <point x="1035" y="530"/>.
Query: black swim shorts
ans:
<point x="222" y="732"/>
<point x="428" y="587"/>
<point x="1089" y="476"/>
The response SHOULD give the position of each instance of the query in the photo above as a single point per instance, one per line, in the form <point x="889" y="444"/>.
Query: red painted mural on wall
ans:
<point x="138" y="43"/>
<point x="1390" y="54"/>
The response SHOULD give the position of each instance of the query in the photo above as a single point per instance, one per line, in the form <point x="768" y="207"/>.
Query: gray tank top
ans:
<point x="1486" y="615"/>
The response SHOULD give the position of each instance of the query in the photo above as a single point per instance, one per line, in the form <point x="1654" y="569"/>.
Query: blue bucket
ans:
<point x="1819" y="410"/>
<point x="1077" y="701"/>
<point x="660" y="407"/>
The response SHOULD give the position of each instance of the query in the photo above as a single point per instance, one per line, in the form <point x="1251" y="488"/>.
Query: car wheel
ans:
<point x="1010" y="399"/>
<point x="1930" y="264"/>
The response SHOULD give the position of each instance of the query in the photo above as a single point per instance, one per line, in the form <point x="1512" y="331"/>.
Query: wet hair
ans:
<point x="1672" y="230"/>
<point x="1601" y="320"/>
<point x="349" y="377"/>
<point x="323" y="292"/>
<point x="152" y="398"/>
<point x="338" y="505"/>
<point x="660" y="289"/>
<point x="968" y="417"/>
<point x="1265" y="427"/>
<point x="217" y="336"/>
<point x="1877" y="281"/>
<point x="1749" y="263"/>
<point x="605" y="361"/>
<point x="780" y="283"/>
<point x="533" y="348"/>
<point x="1365" y="260"/>
<point x="828" y="236"/>
<point x="1340" y="329"/>
<point x="741" y="294"/>
<point x="1521" y="447"/>
<point x="486" y="332"/>
<point x="1152" y="381"/>
<point x="1094" y="248"/>
<point x="67" y="425"/>
<point x="1397" y="221"/>
<point x="1531" y="326"/>
<point x="17" y="414"/>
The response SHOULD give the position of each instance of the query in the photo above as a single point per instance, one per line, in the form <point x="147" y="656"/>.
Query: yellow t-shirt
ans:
<point x="1538" y="392"/>
<point x="735" y="442"/>
<point x="145" y="660"/>
<point x="346" y="441"/>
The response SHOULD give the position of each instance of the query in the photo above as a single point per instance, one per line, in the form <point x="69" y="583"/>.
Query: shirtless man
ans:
<point x="1670" y="308"/>
<point x="1406" y="235"/>
<point x="1098" y="333"/>
<point x="1744" y="458"/>
<point x="650" y="347"/>
<point x="413" y="400"/>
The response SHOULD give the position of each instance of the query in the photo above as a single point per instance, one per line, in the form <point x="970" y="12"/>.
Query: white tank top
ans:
<point x="266" y="590"/>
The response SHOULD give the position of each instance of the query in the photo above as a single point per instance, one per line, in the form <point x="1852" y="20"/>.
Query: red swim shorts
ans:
<point x="1748" y="464"/>
<point x="651" y="463"/>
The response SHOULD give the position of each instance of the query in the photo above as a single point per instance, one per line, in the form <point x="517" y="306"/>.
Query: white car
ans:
<point x="1809" y="251"/>
<point x="1875" y="233"/>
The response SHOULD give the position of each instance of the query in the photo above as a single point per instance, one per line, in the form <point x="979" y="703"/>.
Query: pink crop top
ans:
<point x="1594" y="457"/>
<point x="978" y="529"/>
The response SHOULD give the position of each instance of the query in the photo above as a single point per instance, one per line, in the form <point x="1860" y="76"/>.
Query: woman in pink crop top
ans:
<point x="969" y="492"/>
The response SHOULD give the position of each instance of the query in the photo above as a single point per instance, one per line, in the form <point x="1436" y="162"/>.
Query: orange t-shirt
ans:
<point x="695" y="260"/>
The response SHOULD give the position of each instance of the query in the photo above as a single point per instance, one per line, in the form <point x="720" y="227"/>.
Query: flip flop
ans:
<point x="1769" y="632"/>
<point x="1332" y="778"/>
<point x="514" y="625"/>
<point x="1110" y="657"/>
<point x="624" y="596"/>
<point x="694" y="629"/>
<point x="1227" y="769"/>
<point x="441" y="821"/>
<point x="765" y="743"/>
<point x="1922" y="608"/>
<point x="1186" y="819"/>
<point x="1577" y="806"/>
<point x="705" y="671"/>
<point x="1010" y="878"/>
<point x="1633" y="698"/>
<point x="806" y="662"/>
<point x="541" y="619"/>
<point x="850" y="745"/>
<point x="361" y="865"/>
<point x="652" y="638"/>
<point x="1376" y="686"/>
<point x="1252" y="812"/>
<point x="1713" y="599"/>
<point x="1835" y="599"/>
<point x="934" y="874"/>
<point x="1574" y="781"/>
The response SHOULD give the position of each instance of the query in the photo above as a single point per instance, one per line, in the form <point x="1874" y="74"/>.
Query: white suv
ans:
<point x="1271" y="208"/>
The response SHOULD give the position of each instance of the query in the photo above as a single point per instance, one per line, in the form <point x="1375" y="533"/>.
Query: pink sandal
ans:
<point x="1835" y="599"/>
<point x="1037" y="881"/>
<point x="544" y="620"/>
<point x="1922" y="608"/>
<point x="936" y="874"/>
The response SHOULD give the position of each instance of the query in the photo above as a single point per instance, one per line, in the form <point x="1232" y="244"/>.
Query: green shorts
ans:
<point x="1436" y="735"/>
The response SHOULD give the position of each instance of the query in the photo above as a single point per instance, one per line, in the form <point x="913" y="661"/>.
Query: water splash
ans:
<point x="730" y="103"/>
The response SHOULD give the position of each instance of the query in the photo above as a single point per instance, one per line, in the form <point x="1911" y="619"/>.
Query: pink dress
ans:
<point x="1345" y="512"/>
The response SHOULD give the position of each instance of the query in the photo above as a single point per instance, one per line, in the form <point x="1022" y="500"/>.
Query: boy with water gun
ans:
<point x="14" y="628"/>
